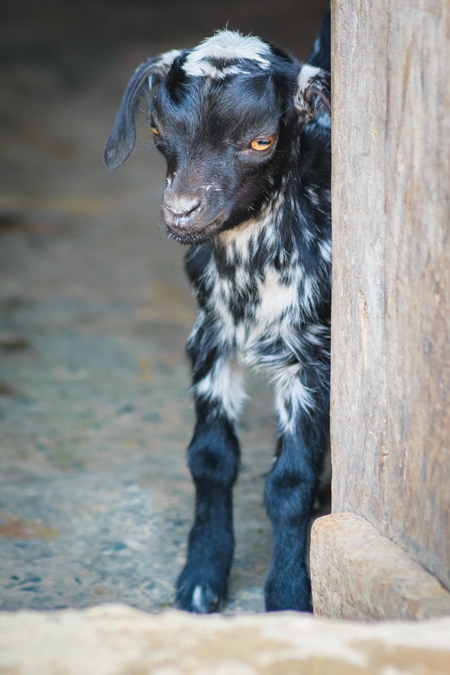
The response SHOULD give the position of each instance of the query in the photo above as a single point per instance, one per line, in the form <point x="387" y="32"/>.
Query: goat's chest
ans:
<point x="257" y="311"/>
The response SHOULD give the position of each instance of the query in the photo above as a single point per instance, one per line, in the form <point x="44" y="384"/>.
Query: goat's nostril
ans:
<point x="181" y="207"/>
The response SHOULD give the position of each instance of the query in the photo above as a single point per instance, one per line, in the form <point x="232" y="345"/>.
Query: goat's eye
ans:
<point x="155" y="130"/>
<point x="262" y="143"/>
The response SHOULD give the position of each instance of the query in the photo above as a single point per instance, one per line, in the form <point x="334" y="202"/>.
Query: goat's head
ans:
<point x="227" y="117"/>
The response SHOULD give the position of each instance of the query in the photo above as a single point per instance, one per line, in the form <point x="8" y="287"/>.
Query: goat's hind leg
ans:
<point x="214" y="462"/>
<point x="290" y="492"/>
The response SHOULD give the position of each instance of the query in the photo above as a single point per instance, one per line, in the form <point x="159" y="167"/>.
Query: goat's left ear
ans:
<point x="313" y="92"/>
<point x="123" y="135"/>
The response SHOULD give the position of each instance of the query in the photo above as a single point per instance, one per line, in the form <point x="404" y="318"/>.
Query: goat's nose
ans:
<point x="181" y="206"/>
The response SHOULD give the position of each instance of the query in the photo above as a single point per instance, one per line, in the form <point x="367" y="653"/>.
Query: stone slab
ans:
<point x="115" y="639"/>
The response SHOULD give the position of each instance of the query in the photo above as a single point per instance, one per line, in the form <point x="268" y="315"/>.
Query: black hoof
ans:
<point x="199" y="598"/>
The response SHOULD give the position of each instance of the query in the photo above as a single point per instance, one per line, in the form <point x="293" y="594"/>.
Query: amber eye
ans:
<point x="155" y="130"/>
<point x="263" y="143"/>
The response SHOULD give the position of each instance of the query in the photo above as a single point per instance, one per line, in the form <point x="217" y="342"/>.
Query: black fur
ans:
<point x="259" y="225"/>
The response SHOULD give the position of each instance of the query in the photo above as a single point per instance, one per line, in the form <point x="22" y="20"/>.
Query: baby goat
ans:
<point x="245" y="131"/>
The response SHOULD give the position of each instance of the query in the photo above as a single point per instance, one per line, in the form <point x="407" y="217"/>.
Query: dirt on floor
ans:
<point x="95" y="414"/>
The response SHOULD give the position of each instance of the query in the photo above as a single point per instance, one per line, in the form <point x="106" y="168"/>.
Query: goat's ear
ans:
<point x="123" y="135"/>
<point x="313" y="92"/>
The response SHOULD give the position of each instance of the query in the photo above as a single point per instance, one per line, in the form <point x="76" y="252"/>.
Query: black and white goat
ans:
<point x="245" y="130"/>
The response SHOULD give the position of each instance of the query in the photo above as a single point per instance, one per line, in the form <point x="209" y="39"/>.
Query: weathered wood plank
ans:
<point x="391" y="255"/>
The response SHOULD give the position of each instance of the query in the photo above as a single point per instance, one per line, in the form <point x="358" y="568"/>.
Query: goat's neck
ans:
<point x="261" y="239"/>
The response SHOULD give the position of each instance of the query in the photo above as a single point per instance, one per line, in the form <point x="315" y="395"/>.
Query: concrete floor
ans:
<point x="95" y="414"/>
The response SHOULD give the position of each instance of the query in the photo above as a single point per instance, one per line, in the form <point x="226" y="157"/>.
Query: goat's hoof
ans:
<point x="199" y="598"/>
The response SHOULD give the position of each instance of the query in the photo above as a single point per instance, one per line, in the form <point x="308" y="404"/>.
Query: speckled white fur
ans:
<point x="229" y="46"/>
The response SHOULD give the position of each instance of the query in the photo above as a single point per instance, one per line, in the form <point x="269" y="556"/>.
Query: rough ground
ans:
<point x="95" y="416"/>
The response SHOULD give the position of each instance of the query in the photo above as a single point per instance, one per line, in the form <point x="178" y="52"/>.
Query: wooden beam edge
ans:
<point x="358" y="574"/>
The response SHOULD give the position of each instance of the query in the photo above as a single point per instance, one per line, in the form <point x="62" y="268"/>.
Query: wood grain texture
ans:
<point x="380" y="580"/>
<point x="391" y="277"/>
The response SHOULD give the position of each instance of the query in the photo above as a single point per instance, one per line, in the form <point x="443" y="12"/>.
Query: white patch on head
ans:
<point x="228" y="46"/>
<point x="163" y="64"/>
<point x="167" y="58"/>
<point x="207" y="69"/>
<point x="306" y="76"/>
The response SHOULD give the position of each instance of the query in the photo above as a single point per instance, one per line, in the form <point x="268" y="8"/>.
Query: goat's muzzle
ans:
<point x="190" y="218"/>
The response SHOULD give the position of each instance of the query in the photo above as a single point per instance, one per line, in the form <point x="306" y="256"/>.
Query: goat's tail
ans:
<point x="320" y="55"/>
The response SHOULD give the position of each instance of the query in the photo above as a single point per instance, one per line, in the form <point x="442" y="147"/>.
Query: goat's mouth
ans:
<point x="195" y="233"/>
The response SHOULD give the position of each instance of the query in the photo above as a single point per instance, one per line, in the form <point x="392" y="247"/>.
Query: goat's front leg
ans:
<point x="214" y="462"/>
<point x="291" y="487"/>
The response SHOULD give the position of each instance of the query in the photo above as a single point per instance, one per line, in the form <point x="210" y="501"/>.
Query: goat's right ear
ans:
<point x="313" y="92"/>
<point x="123" y="135"/>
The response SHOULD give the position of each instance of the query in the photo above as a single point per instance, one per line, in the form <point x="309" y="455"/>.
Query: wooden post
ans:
<point x="390" y="411"/>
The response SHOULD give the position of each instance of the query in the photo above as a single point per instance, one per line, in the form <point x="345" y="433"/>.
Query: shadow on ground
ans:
<point x="95" y="415"/>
